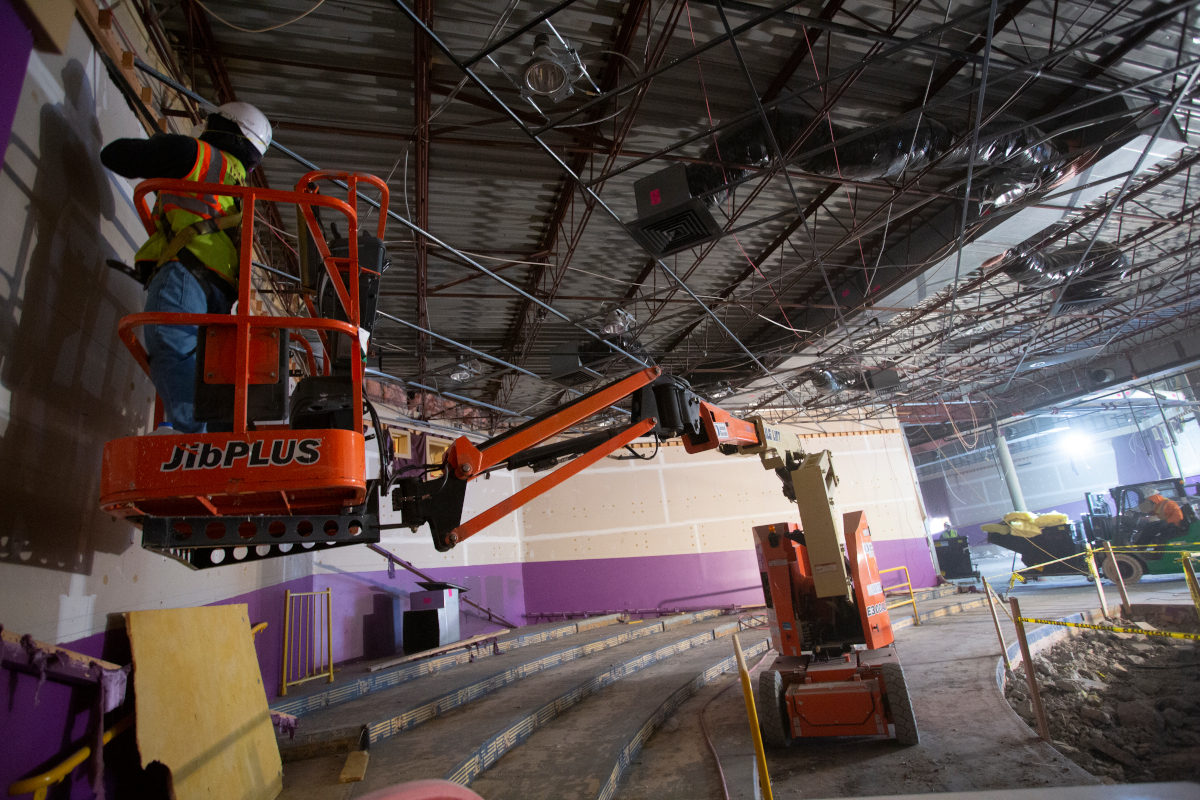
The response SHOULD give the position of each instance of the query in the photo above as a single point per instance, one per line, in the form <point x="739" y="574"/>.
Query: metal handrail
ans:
<point x="40" y="785"/>
<point x="303" y="634"/>
<point x="912" y="598"/>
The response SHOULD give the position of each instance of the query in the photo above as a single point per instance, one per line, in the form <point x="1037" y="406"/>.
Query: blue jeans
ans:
<point x="172" y="348"/>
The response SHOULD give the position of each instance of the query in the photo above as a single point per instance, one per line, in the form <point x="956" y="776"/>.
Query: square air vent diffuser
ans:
<point x="669" y="218"/>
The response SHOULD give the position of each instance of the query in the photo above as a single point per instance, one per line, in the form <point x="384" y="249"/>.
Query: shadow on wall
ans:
<point x="73" y="385"/>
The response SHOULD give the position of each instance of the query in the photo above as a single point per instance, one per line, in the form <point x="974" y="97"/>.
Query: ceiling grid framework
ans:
<point x="828" y="280"/>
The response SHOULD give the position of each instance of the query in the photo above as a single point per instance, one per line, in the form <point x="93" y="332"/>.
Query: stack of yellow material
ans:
<point x="1022" y="523"/>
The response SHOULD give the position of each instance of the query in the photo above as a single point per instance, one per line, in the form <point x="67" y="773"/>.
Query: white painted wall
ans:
<point x="680" y="503"/>
<point x="67" y="384"/>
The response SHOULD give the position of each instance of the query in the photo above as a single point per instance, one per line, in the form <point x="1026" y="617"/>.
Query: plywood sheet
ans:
<point x="201" y="708"/>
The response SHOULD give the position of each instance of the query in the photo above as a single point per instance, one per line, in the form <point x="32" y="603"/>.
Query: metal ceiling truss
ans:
<point x="711" y="318"/>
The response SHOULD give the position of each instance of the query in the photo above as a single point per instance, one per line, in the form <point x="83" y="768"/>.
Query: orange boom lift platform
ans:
<point x="837" y="672"/>
<point x="262" y="488"/>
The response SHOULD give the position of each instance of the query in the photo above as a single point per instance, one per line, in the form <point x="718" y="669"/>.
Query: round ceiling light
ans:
<point x="549" y="74"/>
<point x="545" y="78"/>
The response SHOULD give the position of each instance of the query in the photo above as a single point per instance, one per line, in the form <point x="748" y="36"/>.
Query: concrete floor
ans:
<point x="970" y="738"/>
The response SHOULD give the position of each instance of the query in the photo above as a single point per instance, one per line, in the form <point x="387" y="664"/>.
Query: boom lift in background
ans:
<point x="284" y="469"/>
<point x="837" y="672"/>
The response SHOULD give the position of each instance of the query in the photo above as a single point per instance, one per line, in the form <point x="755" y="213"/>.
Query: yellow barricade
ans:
<point x="1169" y="634"/>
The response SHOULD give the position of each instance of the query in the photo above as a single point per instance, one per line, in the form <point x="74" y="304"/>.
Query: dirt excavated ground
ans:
<point x="1124" y="707"/>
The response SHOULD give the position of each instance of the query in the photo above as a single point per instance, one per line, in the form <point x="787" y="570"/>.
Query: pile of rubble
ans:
<point x="1124" y="707"/>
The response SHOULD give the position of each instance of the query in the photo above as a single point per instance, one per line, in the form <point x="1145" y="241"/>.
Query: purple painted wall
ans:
<point x="35" y="733"/>
<point x="1136" y="464"/>
<point x="266" y="605"/>
<point x="499" y="587"/>
<point x="35" y="736"/>
<point x="16" y="43"/>
<point x="936" y="495"/>
<point x="689" y="580"/>
<point x="912" y="553"/>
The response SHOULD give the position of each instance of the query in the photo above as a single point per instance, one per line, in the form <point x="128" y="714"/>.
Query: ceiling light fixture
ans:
<point x="465" y="370"/>
<point x="549" y="74"/>
<point x="618" y="321"/>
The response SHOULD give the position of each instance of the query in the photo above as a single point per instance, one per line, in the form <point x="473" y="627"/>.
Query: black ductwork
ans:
<point x="1025" y="161"/>
<point x="828" y="381"/>
<point x="1090" y="279"/>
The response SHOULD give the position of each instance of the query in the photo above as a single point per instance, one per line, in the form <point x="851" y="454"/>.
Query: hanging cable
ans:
<point x="224" y="21"/>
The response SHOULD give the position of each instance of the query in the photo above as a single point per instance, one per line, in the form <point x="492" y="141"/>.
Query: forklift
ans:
<point x="1066" y="544"/>
<point x="1128" y="526"/>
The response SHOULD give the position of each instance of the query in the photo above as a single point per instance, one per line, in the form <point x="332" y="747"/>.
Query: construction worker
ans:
<point x="190" y="263"/>
<point x="1167" y="519"/>
<point x="948" y="532"/>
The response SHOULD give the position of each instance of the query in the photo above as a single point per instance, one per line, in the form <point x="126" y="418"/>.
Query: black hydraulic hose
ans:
<point x="385" y="476"/>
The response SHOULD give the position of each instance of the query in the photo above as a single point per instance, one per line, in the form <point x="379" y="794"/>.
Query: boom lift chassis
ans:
<point x="837" y="672"/>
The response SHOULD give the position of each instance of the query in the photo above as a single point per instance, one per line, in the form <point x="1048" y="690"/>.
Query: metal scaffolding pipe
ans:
<point x="1008" y="470"/>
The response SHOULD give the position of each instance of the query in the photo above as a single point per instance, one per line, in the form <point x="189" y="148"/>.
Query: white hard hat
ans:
<point x="253" y="123"/>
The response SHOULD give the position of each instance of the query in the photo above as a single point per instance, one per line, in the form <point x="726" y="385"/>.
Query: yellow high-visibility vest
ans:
<point x="174" y="212"/>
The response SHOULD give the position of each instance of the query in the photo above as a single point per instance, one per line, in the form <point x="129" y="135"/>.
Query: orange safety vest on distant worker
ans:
<point x="1166" y="510"/>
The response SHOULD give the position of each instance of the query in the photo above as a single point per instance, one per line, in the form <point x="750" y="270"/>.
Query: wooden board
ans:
<point x="201" y="708"/>
<point x="355" y="768"/>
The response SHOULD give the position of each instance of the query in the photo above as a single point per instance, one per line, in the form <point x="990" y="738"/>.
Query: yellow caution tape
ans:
<point x="1170" y="634"/>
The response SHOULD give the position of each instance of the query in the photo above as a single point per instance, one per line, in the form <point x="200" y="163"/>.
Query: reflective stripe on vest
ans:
<point x="175" y="211"/>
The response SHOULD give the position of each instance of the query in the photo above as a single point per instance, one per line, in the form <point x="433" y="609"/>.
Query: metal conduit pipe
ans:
<point x="1025" y="158"/>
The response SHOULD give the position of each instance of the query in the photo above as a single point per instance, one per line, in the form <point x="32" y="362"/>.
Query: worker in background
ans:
<point x="1166" y="519"/>
<point x="948" y="532"/>
<point x="190" y="263"/>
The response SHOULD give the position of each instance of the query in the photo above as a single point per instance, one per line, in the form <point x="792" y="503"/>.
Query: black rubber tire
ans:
<point x="772" y="717"/>
<point x="1132" y="569"/>
<point x="899" y="705"/>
